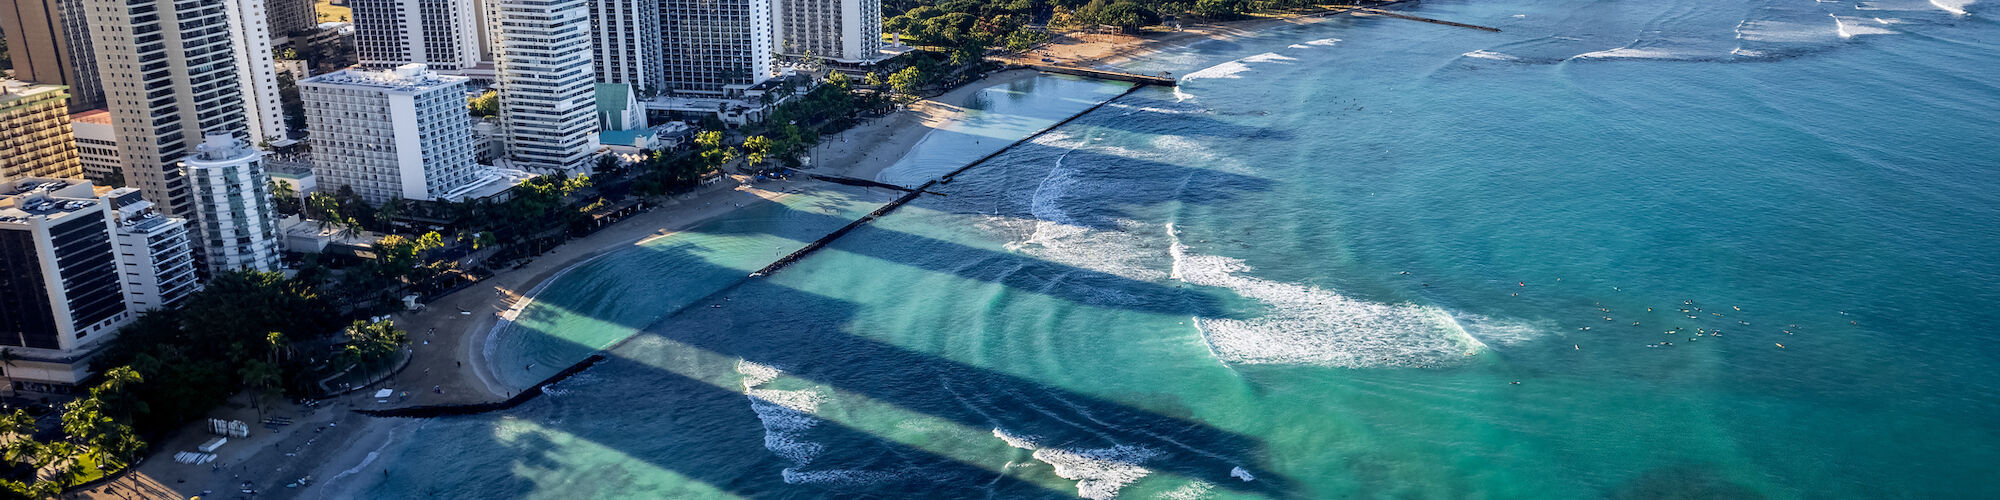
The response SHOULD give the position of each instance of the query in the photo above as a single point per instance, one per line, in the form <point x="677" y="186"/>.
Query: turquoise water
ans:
<point x="1204" y="281"/>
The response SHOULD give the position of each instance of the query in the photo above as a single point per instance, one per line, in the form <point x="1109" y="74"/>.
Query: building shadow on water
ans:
<point x="707" y="430"/>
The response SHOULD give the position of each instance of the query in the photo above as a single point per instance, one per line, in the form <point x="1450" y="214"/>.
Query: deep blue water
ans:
<point x="1680" y="249"/>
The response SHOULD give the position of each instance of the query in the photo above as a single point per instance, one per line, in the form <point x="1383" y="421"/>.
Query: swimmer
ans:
<point x="1578" y="347"/>
<point x="1780" y="346"/>
<point x="1405" y="273"/>
<point x="1737" y="308"/>
<point x="1524" y="283"/>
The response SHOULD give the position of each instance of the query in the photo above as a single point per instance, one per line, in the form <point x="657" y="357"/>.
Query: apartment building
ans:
<point x="845" y="31"/>
<point x="542" y="52"/>
<point x="237" y="225"/>
<point x="442" y="34"/>
<point x="35" y="132"/>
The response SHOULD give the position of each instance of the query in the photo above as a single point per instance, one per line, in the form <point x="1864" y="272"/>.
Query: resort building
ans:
<point x="626" y="43"/>
<point x="97" y="147"/>
<point x="60" y="295"/>
<point x="237" y="224"/>
<point x="716" y="48"/>
<point x="543" y="59"/>
<point x="402" y="133"/>
<point x="49" y="42"/>
<point x="843" y="31"/>
<point x="34" y="122"/>
<point x="257" y="73"/>
<point x="170" y="78"/>
<point x="442" y="34"/>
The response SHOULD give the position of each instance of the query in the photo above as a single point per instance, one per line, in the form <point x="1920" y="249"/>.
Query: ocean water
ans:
<point x="1679" y="249"/>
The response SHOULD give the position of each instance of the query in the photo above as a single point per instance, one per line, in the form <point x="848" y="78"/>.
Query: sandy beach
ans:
<point x="332" y="444"/>
<point x="1102" y="50"/>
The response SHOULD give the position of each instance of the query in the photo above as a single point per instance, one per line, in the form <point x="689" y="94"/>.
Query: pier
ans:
<point x="1105" y="75"/>
<point x="1399" y="15"/>
<point x="428" y="411"/>
<point x="851" y="181"/>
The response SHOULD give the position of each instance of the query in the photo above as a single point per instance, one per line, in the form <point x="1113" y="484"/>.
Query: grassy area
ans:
<point x="328" y="12"/>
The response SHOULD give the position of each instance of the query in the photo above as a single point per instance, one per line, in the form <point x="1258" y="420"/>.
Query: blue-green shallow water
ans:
<point x="1190" y="282"/>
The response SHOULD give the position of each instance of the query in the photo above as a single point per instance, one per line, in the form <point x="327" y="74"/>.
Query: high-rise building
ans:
<point x="76" y="263"/>
<point x="626" y="39"/>
<point x="847" y="31"/>
<point x="34" y="132"/>
<point x="250" y="37"/>
<point x="60" y="295"/>
<point x="402" y="133"/>
<point x="716" y="48"/>
<point x="290" y="16"/>
<point x="154" y="254"/>
<point x="49" y="42"/>
<point x="97" y="147"/>
<point x="542" y="54"/>
<point x="169" y="78"/>
<point x="237" y="226"/>
<point x="442" y="34"/>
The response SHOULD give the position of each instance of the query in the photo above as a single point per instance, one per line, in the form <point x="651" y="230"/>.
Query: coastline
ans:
<point x="450" y="336"/>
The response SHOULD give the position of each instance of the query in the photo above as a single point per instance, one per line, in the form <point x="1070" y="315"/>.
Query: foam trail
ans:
<point x="1955" y="7"/>
<point x="1484" y="54"/>
<point x="1850" y="29"/>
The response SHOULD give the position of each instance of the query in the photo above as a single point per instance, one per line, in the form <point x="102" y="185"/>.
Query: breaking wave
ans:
<point x="1099" y="472"/>
<point x="1314" y="326"/>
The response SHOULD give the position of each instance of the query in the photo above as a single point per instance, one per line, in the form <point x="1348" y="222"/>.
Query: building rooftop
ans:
<point x="44" y="198"/>
<point x="405" y="78"/>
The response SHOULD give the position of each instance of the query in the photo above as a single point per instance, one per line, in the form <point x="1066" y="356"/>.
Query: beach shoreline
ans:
<point x="449" y="338"/>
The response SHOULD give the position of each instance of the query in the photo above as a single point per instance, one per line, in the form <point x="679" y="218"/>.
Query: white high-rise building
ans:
<point x="155" y="258"/>
<point x="716" y="48"/>
<point x="402" y="133"/>
<point x="541" y="51"/>
<point x="237" y="224"/>
<point x="250" y="36"/>
<point x="442" y="34"/>
<point x="627" y="43"/>
<point x="847" y="31"/>
<point x="170" y="78"/>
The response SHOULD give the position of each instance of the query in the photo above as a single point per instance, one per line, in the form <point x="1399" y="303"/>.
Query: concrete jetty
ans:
<point x="1399" y="15"/>
<point x="1105" y="75"/>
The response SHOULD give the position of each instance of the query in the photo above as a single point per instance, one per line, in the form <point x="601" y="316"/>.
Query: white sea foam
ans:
<point x="1231" y="69"/>
<point x="1268" y="57"/>
<point x="1059" y="237"/>
<point x="1241" y="473"/>
<point x="1324" y="42"/>
<point x="1781" y="32"/>
<point x="1314" y="326"/>
<point x="1632" y="53"/>
<point x="1484" y="54"/>
<point x="1955" y="7"/>
<point x="787" y="415"/>
<point x="1099" y="472"/>
<point x="1850" y="27"/>
<point x="1196" y="490"/>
